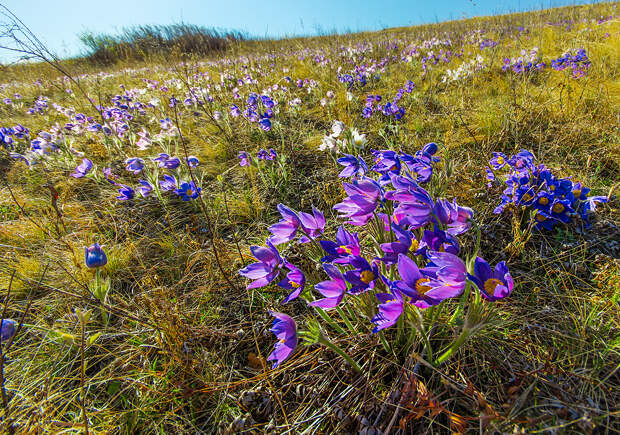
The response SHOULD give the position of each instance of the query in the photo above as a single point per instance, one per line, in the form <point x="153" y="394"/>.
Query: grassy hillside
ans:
<point x="168" y="337"/>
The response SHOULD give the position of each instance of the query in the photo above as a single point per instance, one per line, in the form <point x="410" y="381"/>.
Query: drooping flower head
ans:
<point x="7" y="329"/>
<point x="125" y="192"/>
<point x="353" y="166"/>
<point x="169" y="183"/>
<point x="134" y="164"/>
<point x="312" y="224"/>
<point x="285" y="330"/>
<point x="391" y="308"/>
<point x="295" y="280"/>
<point x="83" y="168"/>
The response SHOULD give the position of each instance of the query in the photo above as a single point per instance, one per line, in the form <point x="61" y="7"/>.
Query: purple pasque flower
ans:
<point x="333" y="289"/>
<point x="438" y="240"/>
<point x="188" y="191"/>
<point x="414" y="201"/>
<point x="450" y="275"/>
<point x="353" y="166"/>
<point x="8" y="327"/>
<point x="391" y="308"/>
<point x="386" y="161"/>
<point x="430" y="148"/>
<point x="312" y="224"/>
<point x="457" y="219"/>
<point x="134" y="164"/>
<point x="83" y="168"/>
<point x="94" y="256"/>
<point x="262" y="154"/>
<point x="560" y="210"/>
<point x="363" y="276"/>
<point x="165" y="161"/>
<point x="493" y="284"/>
<point x="346" y="244"/>
<point x="420" y="168"/>
<point x="266" y="269"/>
<point x="286" y="229"/>
<point x="169" y="183"/>
<point x="405" y="242"/>
<point x="544" y="220"/>
<point x="125" y="192"/>
<point x="295" y="280"/>
<point x="192" y="161"/>
<point x="363" y="198"/>
<point x="285" y="330"/>
<point x="498" y="161"/>
<point x="418" y="284"/>
<point x="145" y="188"/>
<point x="108" y="175"/>
<point x="265" y="124"/>
<point x="244" y="158"/>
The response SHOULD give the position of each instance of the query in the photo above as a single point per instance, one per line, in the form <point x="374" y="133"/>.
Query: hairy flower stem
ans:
<point x="346" y="319"/>
<point x="325" y="342"/>
<point x="329" y="320"/>
<point x="461" y="339"/>
<point x="82" y="378"/>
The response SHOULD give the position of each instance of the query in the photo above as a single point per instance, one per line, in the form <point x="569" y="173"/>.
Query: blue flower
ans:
<point x="94" y="256"/>
<point x="188" y="191"/>
<point x="125" y="192"/>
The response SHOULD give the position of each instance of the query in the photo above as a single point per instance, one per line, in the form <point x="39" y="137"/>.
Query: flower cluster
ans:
<point x="578" y="63"/>
<point x="253" y="110"/>
<point x="466" y="69"/>
<point x="390" y="109"/>
<point x="413" y="262"/>
<point x="527" y="62"/>
<point x="551" y="199"/>
<point x="343" y="138"/>
<point x="8" y="135"/>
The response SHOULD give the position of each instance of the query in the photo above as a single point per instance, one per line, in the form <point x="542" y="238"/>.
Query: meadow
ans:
<point x="413" y="230"/>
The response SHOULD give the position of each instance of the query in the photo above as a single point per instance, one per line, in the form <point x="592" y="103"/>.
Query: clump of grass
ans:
<point x="143" y="42"/>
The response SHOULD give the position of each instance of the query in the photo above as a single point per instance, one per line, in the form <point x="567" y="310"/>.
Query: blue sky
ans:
<point x="58" y="22"/>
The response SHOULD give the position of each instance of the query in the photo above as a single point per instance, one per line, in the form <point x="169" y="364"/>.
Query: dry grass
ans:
<point x="183" y="351"/>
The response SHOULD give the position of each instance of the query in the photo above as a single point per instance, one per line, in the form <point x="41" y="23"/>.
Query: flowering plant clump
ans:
<point x="529" y="187"/>
<point x="391" y="108"/>
<point x="578" y="64"/>
<point x="343" y="139"/>
<point x="528" y="61"/>
<point x="400" y="269"/>
<point x="271" y="166"/>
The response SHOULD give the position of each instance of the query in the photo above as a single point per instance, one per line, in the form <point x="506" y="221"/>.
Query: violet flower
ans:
<point x="333" y="289"/>
<point x="286" y="229"/>
<point x="83" y="169"/>
<point x="266" y="269"/>
<point x="295" y="281"/>
<point x="285" y="330"/>
<point x="493" y="284"/>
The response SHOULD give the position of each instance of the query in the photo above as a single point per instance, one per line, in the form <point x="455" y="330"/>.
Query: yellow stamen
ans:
<point x="541" y="217"/>
<point x="345" y="249"/>
<point x="491" y="284"/>
<point x="500" y="160"/>
<point x="367" y="276"/>
<point x="294" y="284"/>
<point x="557" y="208"/>
<point x="577" y="193"/>
<point x="415" y="245"/>
<point x="420" y="287"/>
<point x="543" y="200"/>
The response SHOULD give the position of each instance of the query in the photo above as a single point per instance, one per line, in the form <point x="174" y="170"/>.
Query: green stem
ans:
<point x="453" y="348"/>
<point x="325" y="342"/>
<point x="329" y="320"/>
<point x="346" y="319"/>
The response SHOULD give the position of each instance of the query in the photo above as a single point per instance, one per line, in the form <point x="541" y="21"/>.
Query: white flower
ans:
<point x="337" y="128"/>
<point x="359" y="140"/>
<point x="350" y="96"/>
<point x="328" y="143"/>
<point x="330" y="94"/>
<point x="217" y="115"/>
<point x="323" y="102"/>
